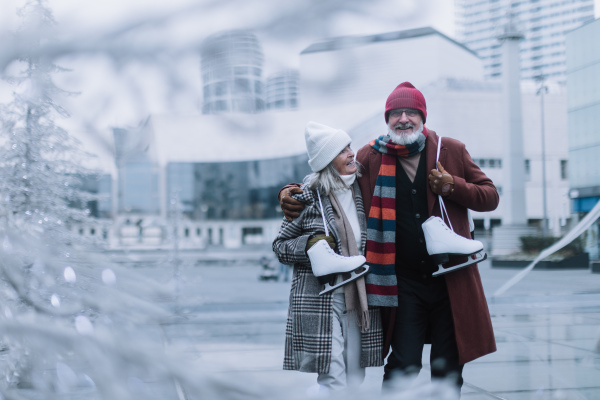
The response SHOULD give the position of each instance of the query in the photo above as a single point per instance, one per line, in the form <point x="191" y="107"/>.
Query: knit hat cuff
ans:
<point x="329" y="150"/>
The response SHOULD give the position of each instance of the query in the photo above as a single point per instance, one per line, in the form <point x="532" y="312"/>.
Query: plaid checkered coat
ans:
<point x="310" y="316"/>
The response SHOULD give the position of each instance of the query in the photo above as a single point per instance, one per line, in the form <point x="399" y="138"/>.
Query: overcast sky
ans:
<point x="122" y="94"/>
<point x="284" y="28"/>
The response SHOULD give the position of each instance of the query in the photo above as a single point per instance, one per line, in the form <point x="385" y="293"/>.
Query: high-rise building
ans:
<point x="544" y="24"/>
<point x="282" y="90"/>
<point x="231" y="73"/>
<point x="138" y="172"/>
<point x="583" y="101"/>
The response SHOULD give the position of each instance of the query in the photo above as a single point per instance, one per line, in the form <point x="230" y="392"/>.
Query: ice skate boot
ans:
<point x="327" y="264"/>
<point x="444" y="244"/>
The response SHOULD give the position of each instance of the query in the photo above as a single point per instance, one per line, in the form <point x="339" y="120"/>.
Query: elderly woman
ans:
<point x="334" y="334"/>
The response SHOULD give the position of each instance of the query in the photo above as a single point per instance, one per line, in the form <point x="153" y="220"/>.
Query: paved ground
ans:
<point x="547" y="328"/>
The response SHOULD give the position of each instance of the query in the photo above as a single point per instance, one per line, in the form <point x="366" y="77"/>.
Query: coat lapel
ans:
<point x="431" y="153"/>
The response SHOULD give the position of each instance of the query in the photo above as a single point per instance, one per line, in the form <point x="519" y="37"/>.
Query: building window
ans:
<point x="527" y="170"/>
<point x="241" y="86"/>
<point x="220" y="88"/>
<point x="564" y="170"/>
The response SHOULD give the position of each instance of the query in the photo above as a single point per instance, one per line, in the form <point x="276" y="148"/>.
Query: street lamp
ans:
<point x="543" y="89"/>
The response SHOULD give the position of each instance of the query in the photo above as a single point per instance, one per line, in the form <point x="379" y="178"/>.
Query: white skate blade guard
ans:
<point x="478" y="258"/>
<point x="353" y="276"/>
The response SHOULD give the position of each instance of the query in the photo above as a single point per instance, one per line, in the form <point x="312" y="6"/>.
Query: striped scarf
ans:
<point x="382" y="286"/>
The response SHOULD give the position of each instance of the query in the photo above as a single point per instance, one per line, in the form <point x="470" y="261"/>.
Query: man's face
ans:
<point x="404" y="121"/>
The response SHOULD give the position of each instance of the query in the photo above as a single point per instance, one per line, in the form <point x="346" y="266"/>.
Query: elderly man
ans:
<point x="449" y="311"/>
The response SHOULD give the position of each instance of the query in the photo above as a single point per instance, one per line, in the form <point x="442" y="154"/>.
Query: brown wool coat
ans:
<point x="472" y="190"/>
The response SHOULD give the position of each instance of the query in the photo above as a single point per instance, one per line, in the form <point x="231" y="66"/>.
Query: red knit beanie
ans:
<point x="406" y="96"/>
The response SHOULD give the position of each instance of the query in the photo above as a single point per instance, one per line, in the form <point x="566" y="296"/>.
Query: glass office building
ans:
<point x="583" y="100"/>
<point x="233" y="190"/>
<point x="282" y="90"/>
<point x="231" y="73"/>
<point x="138" y="172"/>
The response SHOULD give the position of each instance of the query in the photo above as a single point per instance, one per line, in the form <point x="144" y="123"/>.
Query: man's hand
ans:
<point x="441" y="182"/>
<point x="291" y="207"/>
<point x="311" y="242"/>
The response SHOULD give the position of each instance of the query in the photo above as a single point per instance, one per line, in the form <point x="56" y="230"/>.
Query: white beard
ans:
<point x="405" y="138"/>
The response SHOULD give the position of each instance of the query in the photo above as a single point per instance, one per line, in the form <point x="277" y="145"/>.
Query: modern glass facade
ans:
<point x="138" y="172"/>
<point x="543" y="22"/>
<point x="233" y="190"/>
<point x="139" y="188"/>
<point x="231" y="73"/>
<point x="282" y="90"/>
<point x="583" y="100"/>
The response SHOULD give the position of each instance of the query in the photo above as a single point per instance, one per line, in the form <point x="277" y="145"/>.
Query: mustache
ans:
<point x="404" y="126"/>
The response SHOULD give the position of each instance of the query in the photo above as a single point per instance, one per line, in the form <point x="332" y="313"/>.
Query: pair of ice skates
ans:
<point x="442" y="243"/>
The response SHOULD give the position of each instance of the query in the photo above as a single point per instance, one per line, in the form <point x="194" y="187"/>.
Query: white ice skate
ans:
<point x="443" y="244"/>
<point x="327" y="265"/>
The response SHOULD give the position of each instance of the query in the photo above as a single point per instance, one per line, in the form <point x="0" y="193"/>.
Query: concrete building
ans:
<point x="543" y="22"/>
<point x="367" y="68"/>
<point x="232" y="73"/>
<point x="583" y="102"/>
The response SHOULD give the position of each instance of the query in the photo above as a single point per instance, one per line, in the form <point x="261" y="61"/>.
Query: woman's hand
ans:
<point x="311" y="242"/>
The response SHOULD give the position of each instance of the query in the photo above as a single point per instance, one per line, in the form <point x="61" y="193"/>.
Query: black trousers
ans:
<point x="423" y="310"/>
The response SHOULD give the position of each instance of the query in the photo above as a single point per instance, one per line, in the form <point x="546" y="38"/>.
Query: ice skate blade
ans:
<point x="353" y="276"/>
<point x="442" y="271"/>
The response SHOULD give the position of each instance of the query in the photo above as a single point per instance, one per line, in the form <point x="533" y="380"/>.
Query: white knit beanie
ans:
<point x="323" y="144"/>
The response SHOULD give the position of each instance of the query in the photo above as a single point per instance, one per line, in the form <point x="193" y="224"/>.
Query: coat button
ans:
<point x="414" y="191"/>
<point x="421" y="240"/>
<point x="417" y="215"/>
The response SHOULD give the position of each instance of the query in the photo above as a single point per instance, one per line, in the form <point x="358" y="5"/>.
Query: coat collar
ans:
<point x="430" y="154"/>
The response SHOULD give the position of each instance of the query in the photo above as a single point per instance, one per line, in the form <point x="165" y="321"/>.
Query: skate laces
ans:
<point x="323" y="213"/>
<point x="442" y="205"/>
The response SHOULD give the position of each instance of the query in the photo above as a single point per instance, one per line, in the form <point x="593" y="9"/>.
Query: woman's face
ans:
<point x="344" y="162"/>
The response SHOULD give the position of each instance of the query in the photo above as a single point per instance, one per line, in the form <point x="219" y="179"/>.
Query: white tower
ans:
<point x="514" y="218"/>
<point x="513" y="189"/>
